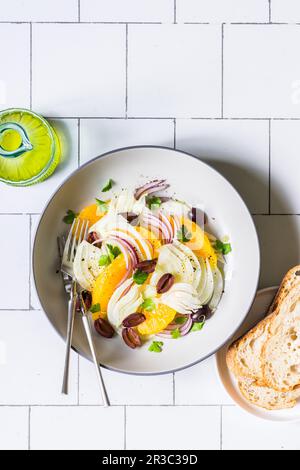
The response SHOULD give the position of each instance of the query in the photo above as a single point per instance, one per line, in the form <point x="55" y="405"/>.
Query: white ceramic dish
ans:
<point x="258" y="311"/>
<point x="191" y="180"/>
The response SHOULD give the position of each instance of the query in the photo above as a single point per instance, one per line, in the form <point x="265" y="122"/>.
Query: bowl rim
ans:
<point x="141" y="147"/>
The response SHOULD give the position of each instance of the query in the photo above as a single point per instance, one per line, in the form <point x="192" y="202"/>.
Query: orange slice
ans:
<point x="150" y="237"/>
<point x="90" y="213"/>
<point x="199" y="243"/>
<point x="157" y="320"/>
<point x="107" y="282"/>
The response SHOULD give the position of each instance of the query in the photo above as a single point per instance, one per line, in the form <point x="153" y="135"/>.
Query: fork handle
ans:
<point x="71" y="316"/>
<point x="97" y="367"/>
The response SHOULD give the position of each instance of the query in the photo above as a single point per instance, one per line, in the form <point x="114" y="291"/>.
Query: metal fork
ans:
<point x="77" y="234"/>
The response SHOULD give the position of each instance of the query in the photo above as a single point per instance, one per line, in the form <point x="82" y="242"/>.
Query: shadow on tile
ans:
<point x="65" y="139"/>
<point x="250" y="185"/>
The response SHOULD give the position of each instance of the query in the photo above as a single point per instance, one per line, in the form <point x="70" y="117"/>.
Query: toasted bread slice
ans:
<point x="281" y="351"/>
<point x="244" y="356"/>
<point x="268" y="398"/>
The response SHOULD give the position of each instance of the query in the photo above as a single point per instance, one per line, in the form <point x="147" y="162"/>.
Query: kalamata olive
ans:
<point x="204" y="313"/>
<point x="92" y="237"/>
<point x="165" y="283"/>
<point x="87" y="298"/>
<point x="131" y="338"/>
<point x="147" y="266"/>
<point x="103" y="328"/>
<point x="129" y="216"/>
<point x="198" y="216"/>
<point x="133" y="320"/>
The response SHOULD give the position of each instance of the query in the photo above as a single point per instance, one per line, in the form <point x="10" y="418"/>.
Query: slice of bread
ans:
<point x="281" y="351"/>
<point x="266" y="361"/>
<point x="244" y="356"/>
<point x="268" y="398"/>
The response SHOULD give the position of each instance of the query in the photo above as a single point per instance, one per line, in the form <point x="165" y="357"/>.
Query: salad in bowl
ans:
<point x="149" y="269"/>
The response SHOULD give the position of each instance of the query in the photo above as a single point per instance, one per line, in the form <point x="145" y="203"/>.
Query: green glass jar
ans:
<point x="29" y="148"/>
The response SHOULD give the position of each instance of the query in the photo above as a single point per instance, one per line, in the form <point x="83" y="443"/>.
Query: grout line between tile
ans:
<point x="270" y="11"/>
<point x="30" y="254"/>
<point x="175" y="132"/>
<point x="78" y="138"/>
<point x="175" y="11"/>
<point x="126" y="74"/>
<point x="29" y="427"/>
<point x="79" y="11"/>
<point x="221" y="427"/>
<point x="270" y="182"/>
<point x="125" y="427"/>
<point x="204" y="118"/>
<point x="30" y="67"/>
<point x="78" y="380"/>
<point x="174" y="389"/>
<point x="233" y="23"/>
<point x="222" y="71"/>
<point x="115" y="406"/>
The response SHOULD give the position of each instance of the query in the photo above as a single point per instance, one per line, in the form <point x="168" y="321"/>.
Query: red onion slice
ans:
<point x="152" y="187"/>
<point x="131" y="249"/>
<point x="183" y="329"/>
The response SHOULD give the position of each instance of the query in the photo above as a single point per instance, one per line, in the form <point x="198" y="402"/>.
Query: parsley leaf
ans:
<point x="140" y="277"/>
<point x="95" y="308"/>
<point x="197" y="326"/>
<point x="148" y="305"/>
<point x="180" y="320"/>
<point x="223" y="248"/>
<point x="154" y="202"/>
<point x="104" y="260"/>
<point x="176" y="334"/>
<point x="184" y="235"/>
<point x="108" y="186"/>
<point x="69" y="217"/>
<point x="102" y="205"/>
<point x="114" y="251"/>
<point x="156" y="346"/>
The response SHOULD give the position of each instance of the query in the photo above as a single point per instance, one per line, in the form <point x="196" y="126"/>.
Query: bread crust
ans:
<point x="252" y="381"/>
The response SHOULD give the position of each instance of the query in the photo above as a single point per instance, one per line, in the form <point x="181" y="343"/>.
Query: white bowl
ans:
<point x="191" y="180"/>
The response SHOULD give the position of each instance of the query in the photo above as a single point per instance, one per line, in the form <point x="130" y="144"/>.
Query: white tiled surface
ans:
<point x="174" y="70"/>
<point x="76" y="428"/>
<point x="15" y="86"/>
<point x="147" y="11"/>
<point x="113" y="85"/>
<point x="261" y="75"/>
<point x="85" y="65"/>
<point x="183" y="428"/>
<point x="242" y="431"/>
<point x="37" y="10"/>
<point x="14" y="428"/>
<point x="190" y="11"/>
<point x="286" y="11"/>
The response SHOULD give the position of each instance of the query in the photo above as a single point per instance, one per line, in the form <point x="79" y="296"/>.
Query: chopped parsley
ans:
<point x="184" y="235"/>
<point x="140" y="277"/>
<point x="104" y="260"/>
<point x="223" y="248"/>
<point x="176" y="333"/>
<point x="148" y="305"/>
<point x="113" y="251"/>
<point x="108" y="186"/>
<point x="102" y="205"/>
<point x="156" y="346"/>
<point x="95" y="308"/>
<point x="197" y="326"/>
<point x="69" y="217"/>
<point x="154" y="202"/>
